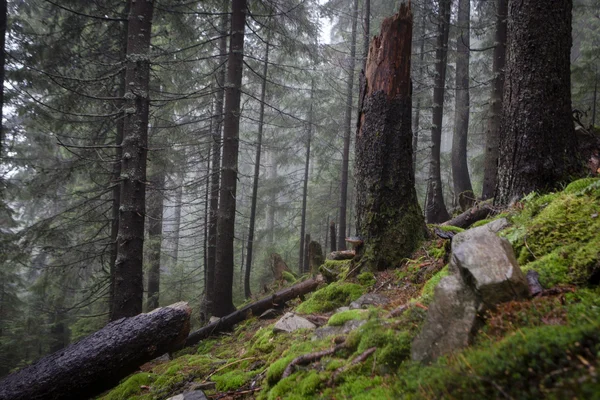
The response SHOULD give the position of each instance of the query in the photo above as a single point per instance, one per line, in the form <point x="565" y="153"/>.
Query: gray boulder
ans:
<point x="451" y="321"/>
<point x="369" y="299"/>
<point x="491" y="227"/>
<point x="484" y="273"/>
<point x="291" y="322"/>
<point x="195" y="395"/>
<point x="349" y="326"/>
<point x="488" y="265"/>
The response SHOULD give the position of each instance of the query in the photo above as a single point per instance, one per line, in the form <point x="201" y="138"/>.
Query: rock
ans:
<point x="493" y="227"/>
<point x="349" y="326"/>
<point x="342" y="309"/>
<point x="488" y="265"/>
<point x="369" y="299"/>
<point x="451" y="321"/>
<point x="270" y="314"/>
<point x="195" y="395"/>
<point x="291" y="322"/>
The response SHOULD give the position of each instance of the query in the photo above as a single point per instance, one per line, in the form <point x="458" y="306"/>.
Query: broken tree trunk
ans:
<point x="477" y="213"/>
<point x="257" y="308"/>
<point x="99" y="361"/>
<point x="341" y="255"/>
<point x="388" y="214"/>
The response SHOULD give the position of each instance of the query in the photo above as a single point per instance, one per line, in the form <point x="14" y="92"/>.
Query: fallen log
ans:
<point x="257" y="308"/>
<point x="99" y="361"/>
<point x="341" y="255"/>
<point x="472" y="215"/>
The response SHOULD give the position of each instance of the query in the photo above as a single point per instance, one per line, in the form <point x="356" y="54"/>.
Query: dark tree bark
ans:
<point x="435" y="210"/>
<point x="261" y="117"/>
<point x="492" y="138"/>
<point x="276" y="300"/>
<point x="216" y="165"/>
<point x="301" y="262"/>
<point x="116" y="173"/>
<point x="388" y="215"/>
<point x="463" y="190"/>
<point x="177" y="215"/>
<point x="417" y="119"/>
<point x="538" y="144"/>
<point x="155" y="225"/>
<point x="341" y="244"/>
<point x="3" y="17"/>
<point x="305" y="265"/>
<point x="99" y="361"/>
<point x="271" y="207"/>
<point x="129" y="286"/>
<point x="223" y="284"/>
<point x="366" y="31"/>
<point x="332" y="236"/>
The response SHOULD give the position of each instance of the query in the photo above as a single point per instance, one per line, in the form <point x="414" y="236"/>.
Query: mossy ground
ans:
<point x="546" y="347"/>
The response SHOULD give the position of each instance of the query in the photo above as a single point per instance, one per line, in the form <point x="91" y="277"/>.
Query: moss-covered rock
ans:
<point x="332" y="296"/>
<point x="342" y="317"/>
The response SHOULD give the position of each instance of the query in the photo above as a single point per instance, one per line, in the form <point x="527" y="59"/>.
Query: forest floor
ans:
<point x="545" y="347"/>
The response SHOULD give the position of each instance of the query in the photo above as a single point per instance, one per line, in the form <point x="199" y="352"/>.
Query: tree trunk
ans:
<point x="99" y="361"/>
<point x="332" y="236"/>
<point x="388" y="215"/>
<point x="3" y="17"/>
<point x="463" y="191"/>
<point x="417" y="120"/>
<point x="347" y="132"/>
<point x="276" y="300"/>
<point x="366" y="32"/>
<point x="538" y="145"/>
<point x="435" y="211"/>
<point x="216" y="165"/>
<point x="261" y="117"/>
<point x="301" y="262"/>
<point x="116" y="174"/>
<point x="223" y="284"/>
<point x="129" y="285"/>
<point x="472" y="215"/>
<point x="271" y="207"/>
<point x="305" y="265"/>
<point x="155" y="224"/>
<point x="492" y="138"/>
<point x="177" y="216"/>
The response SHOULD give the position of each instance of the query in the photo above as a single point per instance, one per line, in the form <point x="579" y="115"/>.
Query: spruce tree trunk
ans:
<point x="271" y="207"/>
<point x="155" y="224"/>
<point x="261" y="117"/>
<point x="116" y="173"/>
<point x="435" y="211"/>
<point x="347" y="132"/>
<point x="216" y="165"/>
<point x="301" y="262"/>
<point x="129" y="286"/>
<point x="223" y="283"/>
<point x="417" y="120"/>
<point x="367" y="31"/>
<point x="177" y="216"/>
<point x="3" y="17"/>
<point x="538" y="144"/>
<point x="463" y="191"/>
<point x="388" y="216"/>
<point x="492" y="139"/>
<point x="332" y="236"/>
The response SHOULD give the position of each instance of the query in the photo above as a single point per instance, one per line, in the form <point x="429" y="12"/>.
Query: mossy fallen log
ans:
<point x="254" y="309"/>
<point x="99" y="361"/>
<point x="476" y="213"/>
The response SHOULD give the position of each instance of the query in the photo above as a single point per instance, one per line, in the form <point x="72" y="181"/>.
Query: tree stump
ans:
<point x="388" y="214"/>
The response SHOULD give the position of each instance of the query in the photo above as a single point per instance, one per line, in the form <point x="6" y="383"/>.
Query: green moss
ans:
<point x="363" y="387"/>
<point x="263" y="340"/>
<point x="332" y="296"/>
<point x="288" y="277"/>
<point x="579" y="185"/>
<point x="341" y="318"/>
<point x="366" y="279"/>
<point x="429" y="287"/>
<point x="299" y="386"/>
<point x="232" y="380"/>
<point x="334" y="270"/>
<point x="522" y="365"/>
<point x="450" y="228"/>
<point x="130" y="386"/>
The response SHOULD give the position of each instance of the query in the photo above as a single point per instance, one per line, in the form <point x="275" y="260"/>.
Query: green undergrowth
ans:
<point x="545" y="347"/>
<point x="330" y="297"/>
<point x="556" y="234"/>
